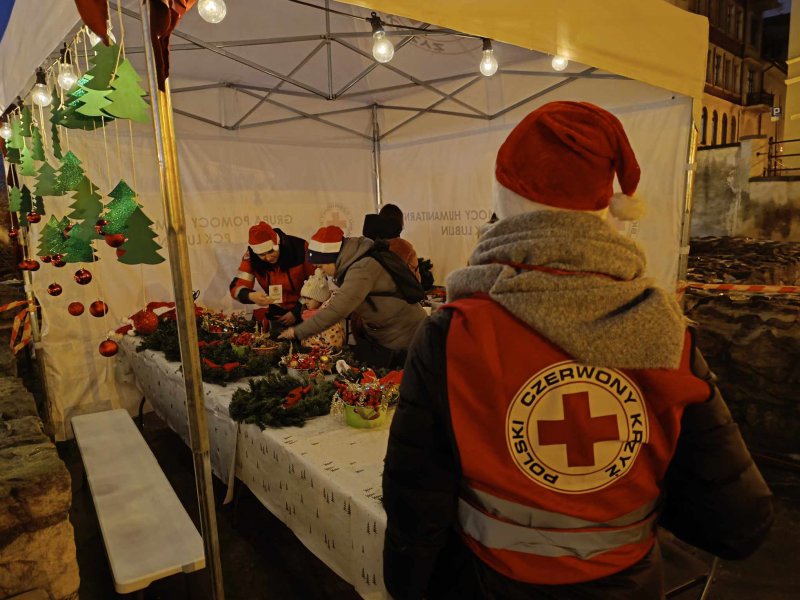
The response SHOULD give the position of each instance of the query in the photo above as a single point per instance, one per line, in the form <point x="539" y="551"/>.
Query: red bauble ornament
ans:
<point x="120" y="252"/>
<point x="145" y="322"/>
<point x="98" y="308"/>
<point x="57" y="260"/>
<point x="115" y="240"/>
<point x="108" y="348"/>
<point x="23" y="265"/>
<point x="98" y="227"/>
<point x="54" y="289"/>
<point x="75" y="309"/>
<point x="46" y="259"/>
<point x="13" y="233"/>
<point x="33" y="217"/>
<point x="67" y="229"/>
<point x="33" y="265"/>
<point x="82" y="276"/>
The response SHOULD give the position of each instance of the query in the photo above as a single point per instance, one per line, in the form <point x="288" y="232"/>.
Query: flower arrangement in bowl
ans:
<point x="317" y="359"/>
<point x="364" y="405"/>
<point x="217" y="323"/>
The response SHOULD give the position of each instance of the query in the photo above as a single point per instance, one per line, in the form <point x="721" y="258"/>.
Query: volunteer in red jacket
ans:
<point x="273" y="258"/>
<point x="556" y="410"/>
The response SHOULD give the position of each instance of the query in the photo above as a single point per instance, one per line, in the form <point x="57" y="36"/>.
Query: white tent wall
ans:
<point x="229" y="183"/>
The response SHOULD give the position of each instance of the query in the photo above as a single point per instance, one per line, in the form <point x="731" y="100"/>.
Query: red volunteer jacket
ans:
<point x="563" y="463"/>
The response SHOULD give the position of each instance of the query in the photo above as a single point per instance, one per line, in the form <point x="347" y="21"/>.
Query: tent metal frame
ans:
<point x="326" y="40"/>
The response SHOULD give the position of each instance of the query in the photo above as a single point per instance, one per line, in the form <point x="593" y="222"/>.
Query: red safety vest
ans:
<point x="562" y="462"/>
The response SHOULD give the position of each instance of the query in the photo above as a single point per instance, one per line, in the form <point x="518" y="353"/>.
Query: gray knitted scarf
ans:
<point x="605" y="314"/>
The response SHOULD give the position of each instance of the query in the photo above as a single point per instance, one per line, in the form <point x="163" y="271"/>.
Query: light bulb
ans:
<point x="559" y="63"/>
<point x="41" y="95"/>
<point x="382" y="49"/>
<point x="66" y="77"/>
<point x="488" y="63"/>
<point x="94" y="39"/>
<point x="6" y="132"/>
<point x="212" y="11"/>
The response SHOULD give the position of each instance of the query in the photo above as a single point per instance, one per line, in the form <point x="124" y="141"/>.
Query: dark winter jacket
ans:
<point x="714" y="496"/>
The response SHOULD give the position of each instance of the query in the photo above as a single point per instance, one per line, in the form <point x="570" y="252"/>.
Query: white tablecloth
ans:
<point x="322" y="480"/>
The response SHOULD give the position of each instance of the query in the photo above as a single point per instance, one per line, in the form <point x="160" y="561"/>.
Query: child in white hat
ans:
<point x="315" y="296"/>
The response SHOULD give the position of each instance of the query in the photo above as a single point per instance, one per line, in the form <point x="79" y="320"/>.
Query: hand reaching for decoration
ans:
<point x="287" y="334"/>
<point x="287" y="319"/>
<point x="260" y="298"/>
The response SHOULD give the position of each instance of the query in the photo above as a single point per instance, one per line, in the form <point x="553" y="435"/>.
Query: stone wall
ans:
<point x="751" y="341"/>
<point x="37" y="547"/>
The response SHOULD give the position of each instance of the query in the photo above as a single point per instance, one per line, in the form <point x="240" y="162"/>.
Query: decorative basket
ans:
<point x="364" y="417"/>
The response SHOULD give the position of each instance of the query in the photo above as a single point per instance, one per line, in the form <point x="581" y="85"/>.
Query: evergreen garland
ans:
<point x="264" y="402"/>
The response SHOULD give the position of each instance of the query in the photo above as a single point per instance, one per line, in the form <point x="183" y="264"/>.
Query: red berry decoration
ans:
<point x="98" y="227"/>
<point x="108" y="348"/>
<point x="115" y="240"/>
<point x="33" y="217"/>
<point x="57" y="260"/>
<point x="145" y="322"/>
<point x="46" y="259"/>
<point x="98" y="308"/>
<point x="82" y="276"/>
<point x="75" y="309"/>
<point x="54" y="289"/>
<point x="13" y="233"/>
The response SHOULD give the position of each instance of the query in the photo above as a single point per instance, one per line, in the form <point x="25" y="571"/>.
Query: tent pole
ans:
<point x="174" y="217"/>
<point x="686" y="224"/>
<point x="376" y="158"/>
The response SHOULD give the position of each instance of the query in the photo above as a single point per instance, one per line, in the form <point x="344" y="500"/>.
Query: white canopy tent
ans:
<point x="287" y="118"/>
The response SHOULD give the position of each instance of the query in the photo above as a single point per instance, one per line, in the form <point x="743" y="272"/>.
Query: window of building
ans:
<point x="714" y="122"/>
<point x="730" y="19"/>
<point x="728" y="83"/>
<point x="740" y="23"/>
<point x="718" y="70"/>
<point x="703" y="126"/>
<point x="737" y="78"/>
<point x="733" y="130"/>
<point x="724" y="136"/>
<point x="709" y="69"/>
<point x="751" y="81"/>
<point x="755" y="30"/>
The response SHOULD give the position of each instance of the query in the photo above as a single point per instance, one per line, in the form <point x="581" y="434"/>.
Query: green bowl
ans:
<point x="364" y="417"/>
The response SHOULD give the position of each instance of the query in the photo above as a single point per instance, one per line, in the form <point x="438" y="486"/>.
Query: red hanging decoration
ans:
<point x="98" y="227"/>
<point x="98" y="308"/>
<point x="108" y="348"/>
<point x="13" y="233"/>
<point x="115" y="240"/>
<point x="95" y="14"/>
<point x="54" y="289"/>
<point x="145" y="322"/>
<point x="75" y="309"/>
<point x="46" y="259"/>
<point x="82" y="276"/>
<point x="57" y="260"/>
<point x="164" y="17"/>
<point x="33" y="217"/>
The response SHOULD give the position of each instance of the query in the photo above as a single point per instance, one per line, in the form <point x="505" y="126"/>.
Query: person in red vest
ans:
<point x="557" y="410"/>
<point x="273" y="258"/>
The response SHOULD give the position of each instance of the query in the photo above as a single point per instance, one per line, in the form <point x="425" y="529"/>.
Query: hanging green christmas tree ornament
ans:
<point x="84" y="104"/>
<point x="71" y="173"/>
<point x="51" y="238"/>
<point x="38" y="205"/>
<point x="27" y="121"/>
<point x="37" y="147"/>
<point x="14" y="199"/>
<point x="55" y="137"/>
<point x="20" y="201"/>
<point x="78" y="247"/>
<point x="141" y="248"/>
<point x="47" y="182"/>
<point x="103" y="62"/>
<point x="127" y="99"/>
<point x="16" y="143"/>
<point x="86" y="208"/>
<point x="119" y="210"/>
<point x="27" y="169"/>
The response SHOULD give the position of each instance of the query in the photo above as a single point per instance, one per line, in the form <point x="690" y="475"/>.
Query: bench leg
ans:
<point x="141" y="414"/>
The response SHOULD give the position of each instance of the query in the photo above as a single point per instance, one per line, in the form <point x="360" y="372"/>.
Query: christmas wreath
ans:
<point x="281" y="401"/>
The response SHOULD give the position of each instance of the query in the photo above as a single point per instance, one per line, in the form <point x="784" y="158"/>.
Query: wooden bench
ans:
<point x="147" y="533"/>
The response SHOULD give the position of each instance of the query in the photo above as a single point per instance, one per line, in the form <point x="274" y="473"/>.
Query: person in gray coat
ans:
<point x="366" y="289"/>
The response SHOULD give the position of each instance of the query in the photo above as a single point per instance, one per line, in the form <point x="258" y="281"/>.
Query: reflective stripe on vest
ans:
<point x="245" y="276"/>
<point x="528" y="516"/>
<point x="494" y="533"/>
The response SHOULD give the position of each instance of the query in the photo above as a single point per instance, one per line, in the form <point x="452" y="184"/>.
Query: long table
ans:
<point x="322" y="480"/>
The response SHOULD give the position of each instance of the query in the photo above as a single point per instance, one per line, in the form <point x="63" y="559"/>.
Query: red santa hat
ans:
<point x="263" y="238"/>
<point x="564" y="155"/>
<point x="325" y="245"/>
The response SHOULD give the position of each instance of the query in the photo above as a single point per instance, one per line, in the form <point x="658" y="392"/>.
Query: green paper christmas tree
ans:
<point x="51" y="238"/>
<point x="78" y="246"/>
<point x="141" y="248"/>
<point x="55" y="118"/>
<point x="126" y="99"/>
<point x="38" y="205"/>
<point x="37" y="147"/>
<point x="16" y="143"/>
<point x="85" y="103"/>
<point x="26" y="161"/>
<point x="27" y="121"/>
<point x="86" y="208"/>
<point x="103" y="64"/>
<point x="119" y="210"/>
<point x="93" y="102"/>
<point x="47" y="182"/>
<point x="20" y="201"/>
<point x="70" y="174"/>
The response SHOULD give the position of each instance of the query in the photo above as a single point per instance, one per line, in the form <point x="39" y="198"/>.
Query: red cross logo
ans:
<point x="337" y="220"/>
<point x="579" y="430"/>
